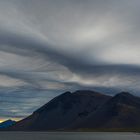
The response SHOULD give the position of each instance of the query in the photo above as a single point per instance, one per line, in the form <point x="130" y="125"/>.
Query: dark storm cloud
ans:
<point x="50" y="46"/>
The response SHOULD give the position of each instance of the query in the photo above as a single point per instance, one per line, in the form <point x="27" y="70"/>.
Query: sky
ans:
<point x="48" y="47"/>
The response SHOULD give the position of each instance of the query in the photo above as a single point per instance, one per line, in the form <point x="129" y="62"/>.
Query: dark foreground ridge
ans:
<point x="84" y="110"/>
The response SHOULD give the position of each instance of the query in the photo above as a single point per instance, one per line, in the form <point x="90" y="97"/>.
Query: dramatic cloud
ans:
<point x="50" y="46"/>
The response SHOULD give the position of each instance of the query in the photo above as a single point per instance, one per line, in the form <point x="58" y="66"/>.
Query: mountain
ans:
<point x="63" y="111"/>
<point x="7" y="124"/>
<point x="83" y="110"/>
<point x="121" y="111"/>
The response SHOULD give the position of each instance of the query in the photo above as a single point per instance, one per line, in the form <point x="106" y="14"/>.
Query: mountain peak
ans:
<point x="9" y="120"/>
<point x="125" y="98"/>
<point x="88" y="92"/>
<point x="124" y="94"/>
<point x="122" y="97"/>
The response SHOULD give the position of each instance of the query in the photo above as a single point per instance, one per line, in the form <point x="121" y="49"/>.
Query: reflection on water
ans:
<point x="67" y="136"/>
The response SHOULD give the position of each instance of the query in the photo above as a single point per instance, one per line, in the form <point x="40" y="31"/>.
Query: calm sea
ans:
<point x="67" y="136"/>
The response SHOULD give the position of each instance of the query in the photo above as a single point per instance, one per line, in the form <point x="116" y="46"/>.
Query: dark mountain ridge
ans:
<point x="84" y="109"/>
<point x="121" y="111"/>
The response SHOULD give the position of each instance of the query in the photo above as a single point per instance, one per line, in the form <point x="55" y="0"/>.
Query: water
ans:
<point x="67" y="136"/>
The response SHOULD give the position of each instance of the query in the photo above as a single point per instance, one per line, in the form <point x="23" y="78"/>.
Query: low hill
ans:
<point x="7" y="124"/>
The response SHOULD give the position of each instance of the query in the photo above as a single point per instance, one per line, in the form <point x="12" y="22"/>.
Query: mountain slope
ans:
<point x="63" y="111"/>
<point x="85" y="110"/>
<point x="121" y="111"/>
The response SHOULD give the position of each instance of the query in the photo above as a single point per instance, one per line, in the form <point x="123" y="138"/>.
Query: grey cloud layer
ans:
<point x="50" y="46"/>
